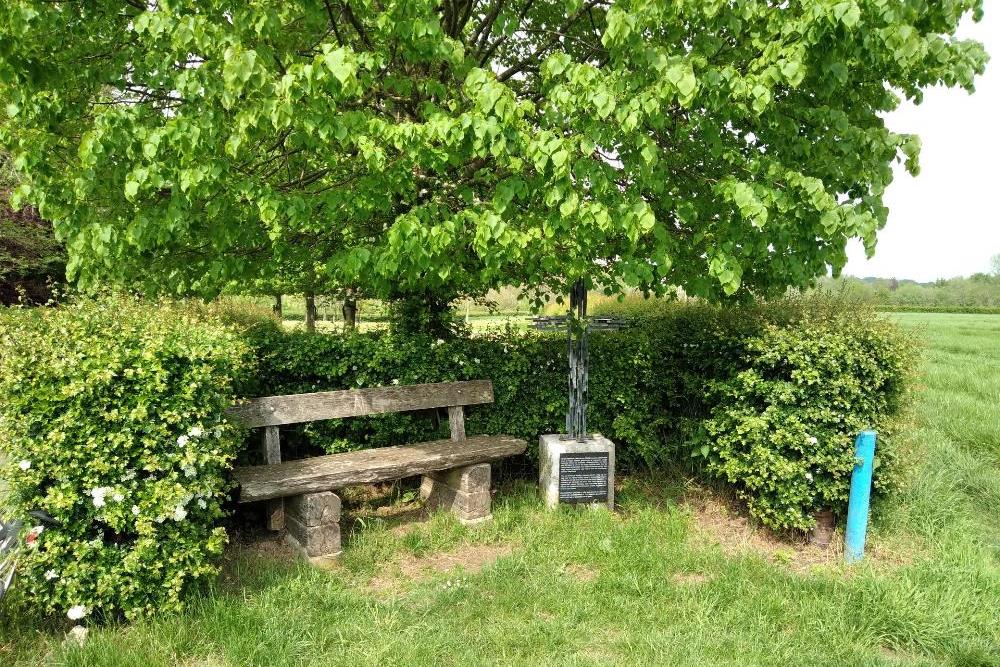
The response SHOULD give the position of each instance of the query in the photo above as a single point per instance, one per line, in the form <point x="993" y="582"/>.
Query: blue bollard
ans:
<point x="857" y="506"/>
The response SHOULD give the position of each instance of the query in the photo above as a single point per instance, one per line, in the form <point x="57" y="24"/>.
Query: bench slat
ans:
<point x="298" y="408"/>
<point x="324" y="473"/>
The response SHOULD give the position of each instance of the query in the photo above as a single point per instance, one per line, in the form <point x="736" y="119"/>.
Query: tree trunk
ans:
<point x="277" y="306"/>
<point x="350" y="312"/>
<point x="428" y="313"/>
<point x="310" y="312"/>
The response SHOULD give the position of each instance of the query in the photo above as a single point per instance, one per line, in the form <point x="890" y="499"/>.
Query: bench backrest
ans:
<point x="298" y="408"/>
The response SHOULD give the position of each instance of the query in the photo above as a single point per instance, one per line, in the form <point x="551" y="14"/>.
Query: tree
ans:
<point x="440" y="148"/>
<point x="995" y="265"/>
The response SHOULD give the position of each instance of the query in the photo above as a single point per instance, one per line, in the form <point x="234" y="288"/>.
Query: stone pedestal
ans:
<point x="577" y="472"/>
<point x="463" y="491"/>
<point x="313" y="524"/>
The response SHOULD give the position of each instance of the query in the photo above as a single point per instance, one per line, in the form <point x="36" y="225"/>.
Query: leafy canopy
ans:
<point x="727" y="147"/>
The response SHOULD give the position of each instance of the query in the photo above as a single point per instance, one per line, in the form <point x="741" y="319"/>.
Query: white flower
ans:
<point x="24" y="464"/>
<point x="396" y="381"/>
<point x="179" y="513"/>
<point x="809" y="476"/>
<point x="196" y="432"/>
<point x="50" y="575"/>
<point x="218" y="431"/>
<point x="812" y="440"/>
<point x="98" y="493"/>
<point x="135" y="510"/>
<point x="77" y="612"/>
<point x="118" y="497"/>
<point x="440" y="341"/>
<point x="189" y="470"/>
<point x="182" y="440"/>
<point x="202" y="504"/>
<point x="78" y="635"/>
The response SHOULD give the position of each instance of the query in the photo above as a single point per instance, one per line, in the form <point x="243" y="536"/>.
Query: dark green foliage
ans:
<point x="781" y="429"/>
<point x="30" y="256"/>
<point x="734" y="392"/>
<point x="424" y="312"/>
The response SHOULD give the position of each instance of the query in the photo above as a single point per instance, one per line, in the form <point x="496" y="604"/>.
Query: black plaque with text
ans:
<point x="583" y="477"/>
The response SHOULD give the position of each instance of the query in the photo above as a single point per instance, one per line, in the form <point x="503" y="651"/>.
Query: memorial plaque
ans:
<point x="583" y="477"/>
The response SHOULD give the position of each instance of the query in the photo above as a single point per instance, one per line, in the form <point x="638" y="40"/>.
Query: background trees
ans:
<point x="30" y="257"/>
<point x="440" y="148"/>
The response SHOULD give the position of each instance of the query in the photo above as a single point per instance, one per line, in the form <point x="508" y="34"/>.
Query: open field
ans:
<point x="673" y="578"/>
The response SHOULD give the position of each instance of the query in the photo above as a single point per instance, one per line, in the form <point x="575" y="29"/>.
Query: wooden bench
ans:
<point x="456" y="472"/>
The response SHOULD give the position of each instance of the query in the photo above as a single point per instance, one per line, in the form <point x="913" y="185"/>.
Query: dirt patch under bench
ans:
<point x="468" y="559"/>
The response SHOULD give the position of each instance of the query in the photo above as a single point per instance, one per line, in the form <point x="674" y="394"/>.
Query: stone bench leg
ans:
<point x="464" y="491"/>
<point x="313" y="524"/>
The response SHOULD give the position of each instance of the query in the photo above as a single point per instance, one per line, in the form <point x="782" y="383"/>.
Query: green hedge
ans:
<point x="111" y="417"/>
<point x="111" y="422"/>
<point x="740" y="394"/>
<point x="781" y="428"/>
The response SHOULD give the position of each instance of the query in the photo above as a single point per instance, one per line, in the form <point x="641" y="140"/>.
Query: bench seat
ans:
<point x="456" y="472"/>
<point x="333" y="471"/>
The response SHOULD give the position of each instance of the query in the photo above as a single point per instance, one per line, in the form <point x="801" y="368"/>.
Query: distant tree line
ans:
<point x="980" y="290"/>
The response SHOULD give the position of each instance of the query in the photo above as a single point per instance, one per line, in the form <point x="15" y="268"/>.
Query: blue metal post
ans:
<point x="857" y="506"/>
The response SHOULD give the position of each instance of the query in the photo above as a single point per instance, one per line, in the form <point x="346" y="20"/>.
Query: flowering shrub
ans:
<point x="111" y="422"/>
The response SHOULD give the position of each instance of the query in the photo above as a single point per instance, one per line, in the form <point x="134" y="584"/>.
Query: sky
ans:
<point x="946" y="221"/>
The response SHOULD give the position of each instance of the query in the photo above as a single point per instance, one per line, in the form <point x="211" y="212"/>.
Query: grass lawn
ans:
<point x="673" y="578"/>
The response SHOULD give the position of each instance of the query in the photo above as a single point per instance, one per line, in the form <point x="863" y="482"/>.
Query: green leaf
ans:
<point x="604" y="102"/>
<point x="568" y="206"/>
<point x="239" y="66"/>
<point x="793" y="71"/>
<point x="556" y="64"/>
<point x="336" y="61"/>
<point x="847" y="13"/>
<point x="559" y="158"/>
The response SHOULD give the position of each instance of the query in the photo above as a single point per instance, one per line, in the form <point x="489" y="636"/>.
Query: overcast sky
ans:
<point x="946" y="221"/>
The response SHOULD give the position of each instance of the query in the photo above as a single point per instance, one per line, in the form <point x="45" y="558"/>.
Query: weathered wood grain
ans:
<point x="325" y="473"/>
<point x="298" y="408"/>
<point x="456" y="420"/>
<point x="272" y="454"/>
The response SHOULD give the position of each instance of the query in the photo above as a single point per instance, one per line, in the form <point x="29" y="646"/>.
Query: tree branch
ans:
<point x="520" y="66"/>
<point x="353" y="20"/>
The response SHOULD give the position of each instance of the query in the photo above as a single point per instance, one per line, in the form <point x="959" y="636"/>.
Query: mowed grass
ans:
<point x="648" y="585"/>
